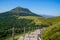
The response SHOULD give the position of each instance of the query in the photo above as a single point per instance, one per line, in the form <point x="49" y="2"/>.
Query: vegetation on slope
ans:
<point x="53" y="20"/>
<point x="13" y="18"/>
<point x="52" y="32"/>
<point x="20" y="18"/>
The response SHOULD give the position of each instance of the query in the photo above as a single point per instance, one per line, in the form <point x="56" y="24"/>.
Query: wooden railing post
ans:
<point x="13" y="33"/>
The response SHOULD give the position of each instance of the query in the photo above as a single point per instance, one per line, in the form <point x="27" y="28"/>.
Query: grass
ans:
<point x="36" y="19"/>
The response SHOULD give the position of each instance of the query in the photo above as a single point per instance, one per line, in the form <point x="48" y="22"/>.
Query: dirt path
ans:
<point x="32" y="36"/>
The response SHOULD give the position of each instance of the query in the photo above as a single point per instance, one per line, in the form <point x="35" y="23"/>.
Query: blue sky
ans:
<point x="46" y="7"/>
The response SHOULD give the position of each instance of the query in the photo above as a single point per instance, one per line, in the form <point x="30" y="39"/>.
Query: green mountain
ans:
<point x="13" y="17"/>
<point x="18" y="18"/>
<point x="22" y="17"/>
<point x="19" y="11"/>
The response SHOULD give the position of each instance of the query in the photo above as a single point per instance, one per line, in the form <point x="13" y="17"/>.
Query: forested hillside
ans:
<point x="18" y="18"/>
<point x="22" y="17"/>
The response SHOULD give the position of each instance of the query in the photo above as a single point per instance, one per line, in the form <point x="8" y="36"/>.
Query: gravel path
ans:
<point x="32" y="36"/>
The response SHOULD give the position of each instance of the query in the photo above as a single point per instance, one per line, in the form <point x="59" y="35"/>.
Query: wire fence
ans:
<point x="17" y="31"/>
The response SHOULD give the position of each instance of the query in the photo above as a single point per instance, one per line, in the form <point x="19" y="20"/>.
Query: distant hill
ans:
<point x="47" y="16"/>
<point x="19" y="11"/>
<point x="10" y="18"/>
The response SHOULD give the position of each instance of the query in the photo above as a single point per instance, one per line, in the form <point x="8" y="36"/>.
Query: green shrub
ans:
<point x="52" y="33"/>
